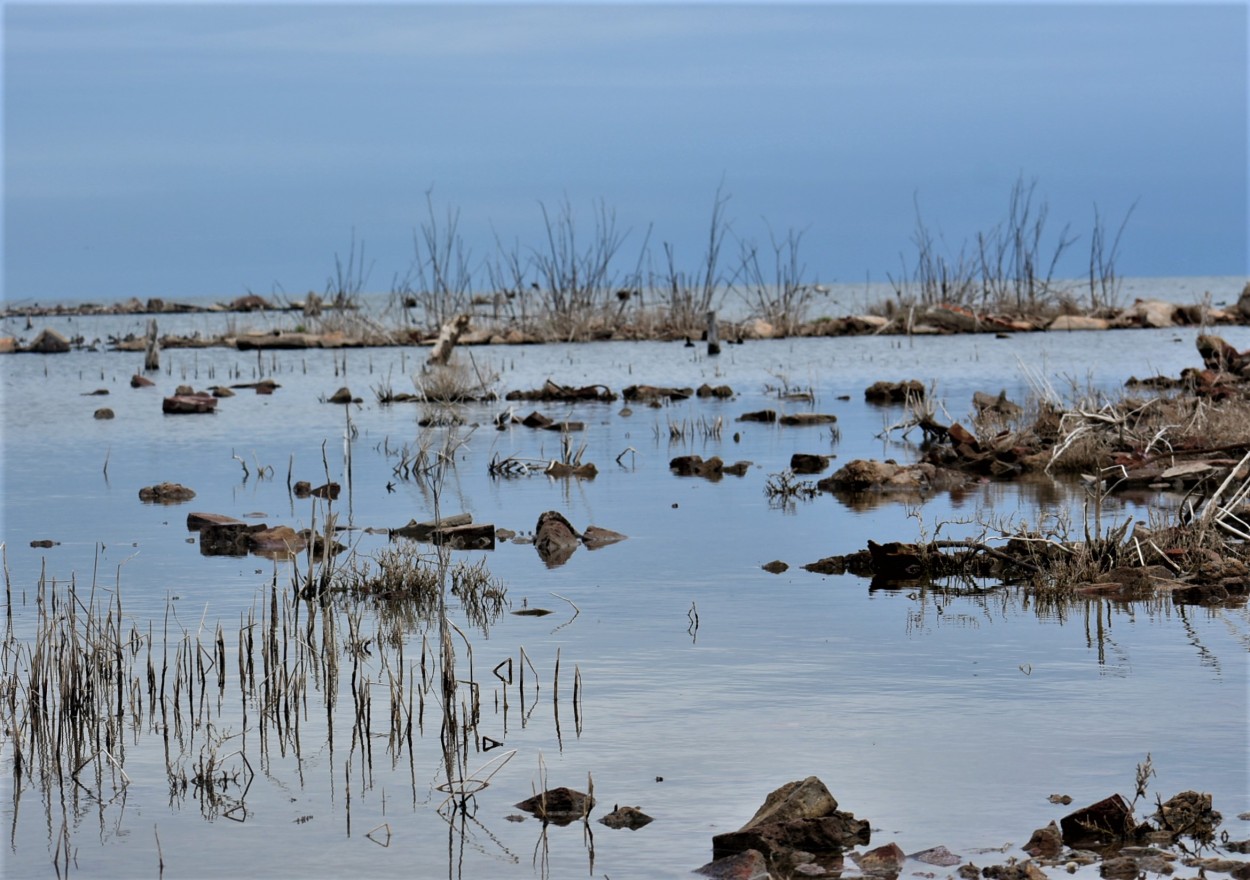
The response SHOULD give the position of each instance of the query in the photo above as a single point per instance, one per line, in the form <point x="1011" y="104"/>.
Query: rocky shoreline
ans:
<point x="353" y="330"/>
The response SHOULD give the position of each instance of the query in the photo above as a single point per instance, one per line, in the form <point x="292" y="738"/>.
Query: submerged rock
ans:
<point x="560" y="806"/>
<point x="632" y="818"/>
<point x="166" y="493"/>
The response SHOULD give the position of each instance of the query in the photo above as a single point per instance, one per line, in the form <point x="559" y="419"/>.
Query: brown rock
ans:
<point x="748" y="865"/>
<point x="938" y="855"/>
<point x="186" y="404"/>
<point x="775" y="567"/>
<point x="808" y="419"/>
<point x="595" y="537"/>
<point x="49" y="341"/>
<point x="695" y="466"/>
<point x="103" y="413"/>
<point x="1189" y="814"/>
<point x="763" y="415"/>
<point x="721" y="391"/>
<point x="860" y="474"/>
<point x="800" y="799"/>
<point x="1045" y="843"/>
<point x="1110" y="820"/>
<point x="632" y="818"/>
<point x="894" y="392"/>
<point x="166" y="493"/>
<point x="559" y="806"/>
<point x="343" y="395"/>
<point x="884" y="860"/>
<point x="555" y="539"/>
<point x="808" y="463"/>
<point x="1078" y="322"/>
<point x="832" y="833"/>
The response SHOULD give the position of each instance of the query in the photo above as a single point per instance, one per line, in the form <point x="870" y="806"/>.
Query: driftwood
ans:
<point x="447" y="339"/>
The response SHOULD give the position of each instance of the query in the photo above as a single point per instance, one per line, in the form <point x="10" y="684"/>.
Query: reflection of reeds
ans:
<point x="227" y="699"/>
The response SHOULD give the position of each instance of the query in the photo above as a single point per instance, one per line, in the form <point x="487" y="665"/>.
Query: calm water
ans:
<point x="943" y="719"/>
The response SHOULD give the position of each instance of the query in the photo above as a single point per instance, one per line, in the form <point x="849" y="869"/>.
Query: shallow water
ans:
<point x="942" y="718"/>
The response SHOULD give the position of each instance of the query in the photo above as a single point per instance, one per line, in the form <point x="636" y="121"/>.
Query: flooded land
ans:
<point x="875" y="602"/>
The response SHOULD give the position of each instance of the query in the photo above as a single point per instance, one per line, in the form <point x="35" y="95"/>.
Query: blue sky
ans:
<point x="205" y="150"/>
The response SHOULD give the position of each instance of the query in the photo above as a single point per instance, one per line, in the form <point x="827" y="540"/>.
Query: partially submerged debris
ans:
<point x="711" y="469"/>
<point x="632" y="818"/>
<point x="559" y="806"/>
<point x="166" y="493"/>
<point x="184" y="404"/>
<point x="554" y="391"/>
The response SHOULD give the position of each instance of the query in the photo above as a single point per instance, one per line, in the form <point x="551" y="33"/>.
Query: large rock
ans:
<point x="749" y="865"/>
<point x="800" y="816"/>
<point x="559" y="806"/>
<point x="1108" y="821"/>
<point x="555" y="539"/>
<point x="1078" y="322"/>
<point x="49" y="341"/>
<point x="166" y="493"/>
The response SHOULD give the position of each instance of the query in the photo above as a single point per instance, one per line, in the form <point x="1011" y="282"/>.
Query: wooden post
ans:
<point x="448" y="338"/>
<point x="713" y="337"/>
<point x="152" y="355"/>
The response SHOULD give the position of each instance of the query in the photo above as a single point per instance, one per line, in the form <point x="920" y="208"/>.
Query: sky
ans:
<point x="209" y="150"/>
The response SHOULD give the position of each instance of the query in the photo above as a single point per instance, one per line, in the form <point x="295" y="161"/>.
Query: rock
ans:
<point x="1025" y="870"/>
<point x="695" y="466"/>
<point x="44" y="542"/>
<point x="808" y="463"/>
<point x="554" y="391"/>
<point x="250" y="303"/>
<point x="800" y="815"/>
<point x="1218" y="355"/>
<point x="832" y="833"/>
<point x="595" y="537"/>
<point x="801" y="799"/>
<point x="49" y="341"/>
<point x="808" y="419"/>
<point x="1188" y="814"/>
<point x="582" y="471"/>
<point x="1110" y="820"/>
<point x="103" y="413"/>
<point x="938" y="855"/>
<point x="343" y="395"/>
<point x="221" y="391"/>
<point x="1078" y="322"/>
<point x="884" y="860"/>
<point x="775" y="567"/>
<point x="278" y="542"/>
<point x="721" y="391"/>
<point x="748" y="865"/>
<point x="329" y="491"/>
<point x="632" y="818"/>
<point x="140" y="381"/>
<point x="894" y="392"/>
<point x="559" y="806"/>
<point x="185" y="404"/>
<point x="8" y="345"/>
<point x="222" y="535"/>
<point x="1045" y="843"/>
<point x="1150" y="313"/>
<point x="860" y="475"/>
<point x="555" y="539"/>
<point x="996" y="404"/>
<point x="301" y="489"/>
<point x="655" y="392"/>
<point x="763" y="415"/>
<point x="166" y="493"/>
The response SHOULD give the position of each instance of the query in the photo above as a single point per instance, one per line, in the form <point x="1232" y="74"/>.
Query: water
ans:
<point x="942" y="718"/>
